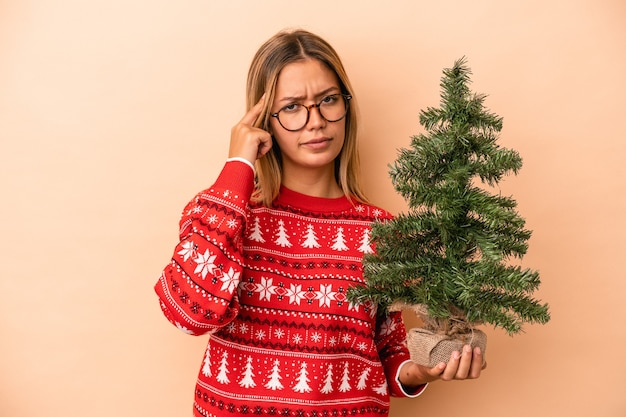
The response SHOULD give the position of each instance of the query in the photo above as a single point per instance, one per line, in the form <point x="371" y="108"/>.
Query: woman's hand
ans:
<point x="247" y="141"/>
<point x="467" y="364"/>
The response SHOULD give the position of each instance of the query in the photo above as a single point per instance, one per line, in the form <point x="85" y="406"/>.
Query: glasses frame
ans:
<point x="347" y="98"/>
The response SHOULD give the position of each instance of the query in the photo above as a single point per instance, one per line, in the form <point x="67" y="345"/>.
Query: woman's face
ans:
<point x="318" y="143"/>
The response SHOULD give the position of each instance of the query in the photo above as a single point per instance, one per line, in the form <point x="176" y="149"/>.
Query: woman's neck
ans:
<point x="314" y="182"/>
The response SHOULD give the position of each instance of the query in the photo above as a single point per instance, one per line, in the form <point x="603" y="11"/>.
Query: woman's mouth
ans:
<point x="317" y="143"/>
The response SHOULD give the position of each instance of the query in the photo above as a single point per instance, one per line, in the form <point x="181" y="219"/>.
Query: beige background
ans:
<point x="114" y="113"/>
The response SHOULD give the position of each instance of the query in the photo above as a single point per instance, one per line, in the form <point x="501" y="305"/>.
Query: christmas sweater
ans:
<point x="269" y="286"/>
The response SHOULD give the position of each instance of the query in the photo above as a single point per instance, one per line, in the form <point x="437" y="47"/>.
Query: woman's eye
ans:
<point x="291" y="108"/>
<point x="329" y="99"/>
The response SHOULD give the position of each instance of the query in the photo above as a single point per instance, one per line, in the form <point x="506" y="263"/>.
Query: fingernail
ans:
<point x="467" y="348"/>
<point x="477" y="350"/>
<point x="456" y="355"/>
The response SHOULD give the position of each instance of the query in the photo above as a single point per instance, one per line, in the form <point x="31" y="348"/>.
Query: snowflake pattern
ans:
<point x="265" y="289"/>
<point x="325" y="295"/>
<point x="230" y="280"/>
<point x="387" y="327"/>
<point x="205" y="263"/>
<point x="353" y="306"/>
<point x="295" y="294"/>
<point x="188" y="250"/>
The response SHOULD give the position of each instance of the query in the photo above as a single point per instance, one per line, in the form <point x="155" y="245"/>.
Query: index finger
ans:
<point x="250" y="117"/>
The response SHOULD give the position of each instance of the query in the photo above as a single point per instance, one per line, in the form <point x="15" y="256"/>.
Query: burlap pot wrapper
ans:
<point x="429" y="349"/>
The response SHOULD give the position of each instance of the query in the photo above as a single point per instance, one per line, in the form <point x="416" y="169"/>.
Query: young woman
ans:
<point x="268" y="253"/>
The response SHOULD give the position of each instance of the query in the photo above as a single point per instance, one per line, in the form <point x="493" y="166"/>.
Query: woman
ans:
<point x="267" y="254"/>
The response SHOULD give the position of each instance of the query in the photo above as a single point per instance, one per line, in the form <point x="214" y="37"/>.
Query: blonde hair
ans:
<point x="281" y="49"/>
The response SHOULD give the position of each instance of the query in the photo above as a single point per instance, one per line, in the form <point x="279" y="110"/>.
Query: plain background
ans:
<point x="114" y="113"/>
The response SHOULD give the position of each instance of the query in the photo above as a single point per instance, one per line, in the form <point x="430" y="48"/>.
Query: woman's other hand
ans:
<point x="467" y="364"/>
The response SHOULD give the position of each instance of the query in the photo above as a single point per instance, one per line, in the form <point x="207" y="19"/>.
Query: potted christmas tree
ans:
<point x="449" y="257"/>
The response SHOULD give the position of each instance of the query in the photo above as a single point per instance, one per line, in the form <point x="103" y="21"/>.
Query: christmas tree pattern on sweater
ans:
<point x="270" y="285"/>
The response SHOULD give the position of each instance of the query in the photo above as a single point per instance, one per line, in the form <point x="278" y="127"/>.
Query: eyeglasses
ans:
<point x="294" y="117"/>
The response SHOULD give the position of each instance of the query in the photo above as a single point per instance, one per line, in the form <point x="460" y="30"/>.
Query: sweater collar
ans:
<point x="309" y="203"/>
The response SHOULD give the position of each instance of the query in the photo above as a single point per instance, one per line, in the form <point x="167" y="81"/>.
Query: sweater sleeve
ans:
<point x="391" y="344"/>
<point x="198" y="288"/>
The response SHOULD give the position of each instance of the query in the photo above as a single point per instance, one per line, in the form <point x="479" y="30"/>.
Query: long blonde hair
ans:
<point x="281" y="49"/>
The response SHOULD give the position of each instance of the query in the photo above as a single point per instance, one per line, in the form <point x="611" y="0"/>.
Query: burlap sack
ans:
<point x="429" y="349"/>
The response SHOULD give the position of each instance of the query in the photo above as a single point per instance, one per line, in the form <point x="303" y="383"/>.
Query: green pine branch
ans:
<point x="451" y="250"/>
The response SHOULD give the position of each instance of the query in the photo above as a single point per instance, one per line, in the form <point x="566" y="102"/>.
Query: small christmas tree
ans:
<point x="448" y="256"/>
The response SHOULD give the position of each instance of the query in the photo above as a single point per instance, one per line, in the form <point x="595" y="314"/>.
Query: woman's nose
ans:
<point x="315" y="117"/>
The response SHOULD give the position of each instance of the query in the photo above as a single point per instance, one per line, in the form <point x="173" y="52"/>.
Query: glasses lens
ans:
<point x="333" y="108"/>
<point x="293" y="117"/>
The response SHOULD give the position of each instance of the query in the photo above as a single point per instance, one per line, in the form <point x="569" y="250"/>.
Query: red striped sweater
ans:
<point x="269" y="285"/>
